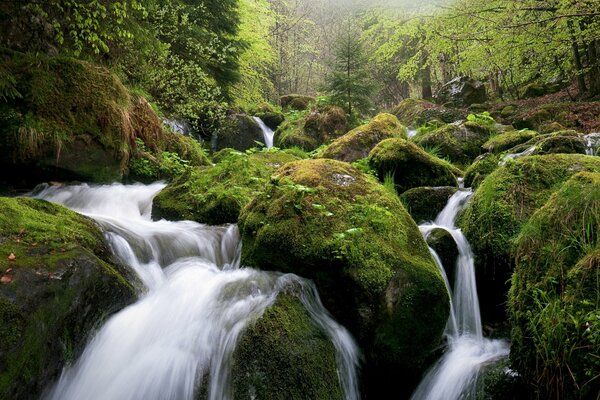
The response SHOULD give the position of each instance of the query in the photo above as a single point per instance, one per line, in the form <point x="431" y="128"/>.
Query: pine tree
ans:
<point x="349" y="83"/>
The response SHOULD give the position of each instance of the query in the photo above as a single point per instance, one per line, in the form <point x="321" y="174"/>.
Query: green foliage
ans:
<point x="482" y="118"/>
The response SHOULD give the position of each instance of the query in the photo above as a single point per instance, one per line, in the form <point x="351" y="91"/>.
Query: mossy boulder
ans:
<point x="296" y="102"/>
<point x="324" y="220"/>
<point x="417" y="112"/>
<point x="284" y="355"/>
<point x="507" y="111"/>
<point x="505" y="141"/>
<point x="272" y="119"/>
<point x="444" y="245"/>
<point x="357" y="143"/>
<point x="425" y="203"/>
<point x="497" y="381"/>
<point x="462" y="92"/>
<point x="566" y="142"/>
<point x="460" y="143"/>
<point x="553" y="300"/>
<point x="240" y="132"/>
<point x="215" y="195"/>
<point x="483" y="165"/>
<point x="54" y="292"/>
<point x="409" y="165"/>
<point x="501" y="205"/>
<point x="310" y="129"/>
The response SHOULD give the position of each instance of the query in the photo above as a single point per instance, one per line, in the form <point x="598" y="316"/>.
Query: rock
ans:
<point x="296" y="101"/>
<point x="566" y="142"/>
<point x="241" y="132"/>
<point x="272" y="119"/>
<point x="462" y="92"/>
<point x="444" y="245"/>
<point x="425" y="203"/>
<point x="216" y="195"/>
<point x="497" y="381"/>
<point x="507" y="111"/>
<point x="357" y="143"/>
<point x="483" y="165"/>
<point x="285" y="355"/>
<point x="501" y="205"/>
<point x="460" y="143"/>
<point x="505" y="141"/>
<point x="417" y="112"/>
<point x="56" y="297"/>
<point x="536" y="89"/>
<point x="326" y="221"/>
<point x="409" y="165"/>
<point x="553" y="301"/>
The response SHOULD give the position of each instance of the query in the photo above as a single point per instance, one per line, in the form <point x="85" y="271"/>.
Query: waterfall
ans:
<point x="592" y="142"/>
<point x="454" y="376"/>
<point x="194" y="304"/>
<point x="513" y="156"/>
<point x="266" y="131"/>
<point x="411" y="133"/>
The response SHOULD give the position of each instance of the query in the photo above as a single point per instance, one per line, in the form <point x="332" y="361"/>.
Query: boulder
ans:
<point x="566" y="142"/>
<point x="462" y="92"/>
<point x="57" y="284"/>
<point x="357" y="143"/>
<point x="326" y="221"/>
<point x="553" y="301"/>
<point x="425" y="203"/>
<point x="417" y="112"/>
<point x="483" y="165"/>
<point x="296" y="102"/>
<point x="505" y="141"/>
<point x="240" y="132"/>
<point x="501" y="205"/>
<point x="409" y="165"/>
<point x="444" y="245"/>
<point x="215" y="195"/>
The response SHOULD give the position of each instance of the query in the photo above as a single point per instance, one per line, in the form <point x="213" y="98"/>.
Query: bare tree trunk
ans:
<point x="577" y="60"/>
<point x="594" y="67"/>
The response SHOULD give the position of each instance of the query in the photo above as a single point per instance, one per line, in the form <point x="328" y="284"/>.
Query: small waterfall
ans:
<point x="194" y="304"/>
<point x="513" y="156"/>
<point x="267" y="132"/>
<point x="454" y="376"/>
<point x="411" y="133"/>
<point x="592" y="143"/>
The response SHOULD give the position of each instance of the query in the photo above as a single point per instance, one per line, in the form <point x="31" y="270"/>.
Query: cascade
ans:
<point x="266" y="131"/>
<point x="454" y="376"/>
<point x="194" y="302"/>
<point x="592" y="142"/>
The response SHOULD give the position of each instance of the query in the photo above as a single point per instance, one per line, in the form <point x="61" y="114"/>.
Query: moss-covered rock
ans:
<point x="507" y="111"/>
<point x="296" y="102"/>
<point x="357" y="143"/>
<point x="417" y="112"/>
<point x="553" y="301"/>
<point x="505" y="141"/>
<point x="409" y="165"/>
<point x="497" y="381"/>
<point x="483" y="165"/>
<point x="503" y="202"/>
<point x="284" y="355"/>
<point x="215" y="195"/>
<point x="272" y="119"/>
<point x="310" y="129"/>
<point x="326" y="221"/>
<point x="425" y="203"/>
<point x="240" y="132"/>
<point x="56" y="289"/>
<point x="460" y="143"/>
<point x="444" y="245"/>
<point x="462" y="91"/>
<point x="566" y="142"/>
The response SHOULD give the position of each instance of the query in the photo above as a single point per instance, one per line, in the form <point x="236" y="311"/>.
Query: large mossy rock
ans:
<point x="445" y="247"/>
<point x="70" y="119"/>
<point x="502" y="203"/>
<point x="425" y="203"/>
<point x="505" y="141"/>
<point x="357" y="143"/>
<point x="410" y="166"/>
<point x="58" y="288"/>
<point x="326" y="221"/>
<point x="462" y="92"/>
<point x="553" y="301"/>
<point x="215" y="195"/>
<point x="483" y="165"/>
<point x="417" y="112"/>
<point x="240" y="132"/>
<point x="460" y="143"/>
<point x="284" y="355"/>
<point x="311" y="129"/>
<point x="296" y="102"/>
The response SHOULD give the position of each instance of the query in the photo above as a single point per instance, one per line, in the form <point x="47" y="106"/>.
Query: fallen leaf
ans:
<point x="33" y="244"/>
<point x="8" y="271"/>
<point x="12" y="257"/>
<point x="6" y="279"/>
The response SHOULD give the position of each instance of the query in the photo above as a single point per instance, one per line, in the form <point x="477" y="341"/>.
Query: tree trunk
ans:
<point x="577" y="61"/>
<point x="594" y="67"/>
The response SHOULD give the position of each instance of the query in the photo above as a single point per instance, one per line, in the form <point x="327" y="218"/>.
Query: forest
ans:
<point x="300" y="199"/>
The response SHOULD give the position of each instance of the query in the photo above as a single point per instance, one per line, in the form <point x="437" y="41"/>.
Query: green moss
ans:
<point x="554" y="299"/>
<point x="417" y="112"/>
<point x="507" y="111"/>
<point x="499" y="143"/>
<point x="483" y="165"/>
<point x="503" y="202"/>
<point x="324" y="220"/>
<point x="216" y="194"/>
<point x="296" y="101"/>
<point x="425" y="203"/>
<point x="410" y="165"/>
<point x="283" y="355"/>
<point x="357" y="143"/>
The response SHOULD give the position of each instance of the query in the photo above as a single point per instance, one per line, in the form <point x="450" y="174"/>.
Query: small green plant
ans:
<point x="388" y="182"/>
<point x="482" y="118"/>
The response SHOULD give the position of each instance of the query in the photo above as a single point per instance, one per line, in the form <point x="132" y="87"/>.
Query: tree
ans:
<point x="349" y="83"/>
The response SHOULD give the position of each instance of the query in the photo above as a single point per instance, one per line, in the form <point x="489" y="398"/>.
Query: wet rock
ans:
<point x="462" y="92"/>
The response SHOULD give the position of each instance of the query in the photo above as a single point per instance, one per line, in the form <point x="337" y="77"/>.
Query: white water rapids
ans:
<point x="267" y="132"/>
<point x="195" y="302"/>
<point x="455" y="375"/>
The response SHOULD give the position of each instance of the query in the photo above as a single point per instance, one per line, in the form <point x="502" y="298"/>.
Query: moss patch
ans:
<point x="425" y="203"/>
<point x="409" y="165"/>
<point x="417" y="112"/>
<point x="505" y="141"/>
<point x="215" y="195"/>
<point x="483" y="165"/>
<point x="357" y="143"/>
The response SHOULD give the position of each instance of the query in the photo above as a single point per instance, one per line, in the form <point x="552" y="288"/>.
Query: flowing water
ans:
<point x="193" y="305"/>
<point x="592" y="143"/>
<point x="266" y="131"/>
<point x="513" y="156"/>
<point x="455" y="375"/>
